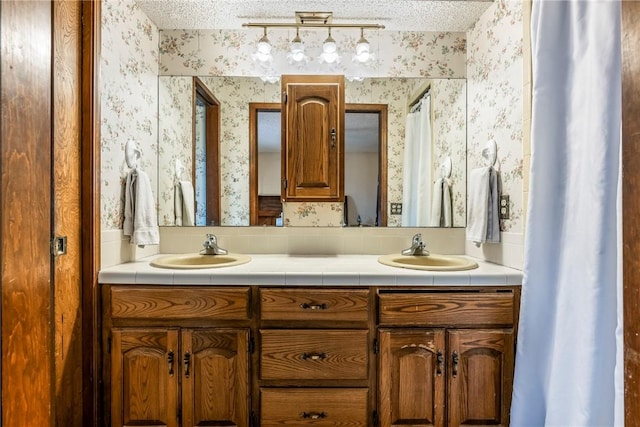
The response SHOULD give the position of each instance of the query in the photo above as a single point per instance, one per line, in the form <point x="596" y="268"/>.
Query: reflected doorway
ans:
<point x="206" y="170"/>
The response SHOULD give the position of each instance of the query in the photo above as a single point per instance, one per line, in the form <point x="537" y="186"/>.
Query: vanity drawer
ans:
<point x="315" y="304"/>
<point x="441" y="309"/>
<point x="313" y="406"/>
<point x="168" y="303"/>
<point x="299" y="354"/>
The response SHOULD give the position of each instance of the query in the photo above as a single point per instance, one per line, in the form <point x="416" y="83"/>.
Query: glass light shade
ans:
<point x="329" y="51"/>
<point x="363" y="52"/>
<point x="296" y="52"/>
<point x="263" y="53"/>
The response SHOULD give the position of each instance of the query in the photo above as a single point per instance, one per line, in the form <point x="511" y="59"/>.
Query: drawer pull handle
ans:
<point x="170" y="362"/>
<point x="314" y="415"/>
<point x="440" y="360"/>
<point x="454" y="359"/>
<point x="313" y="356"/>
<point x="306" y="306"/>
<point x="187" y="364"/>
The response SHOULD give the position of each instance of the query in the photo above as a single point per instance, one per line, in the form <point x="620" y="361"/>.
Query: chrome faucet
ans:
<point x="211" y="246"/>
<point x="417" y="246"/>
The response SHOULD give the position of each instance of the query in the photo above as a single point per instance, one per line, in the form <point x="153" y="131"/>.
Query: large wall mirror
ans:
<point x="406" y="136"/>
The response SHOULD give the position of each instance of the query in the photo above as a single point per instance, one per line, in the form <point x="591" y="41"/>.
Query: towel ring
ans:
<point x="132" y="154"/>
<point x="490" y="153"/>
<point x="446" y="167"/>
<point x="179" y="169"/>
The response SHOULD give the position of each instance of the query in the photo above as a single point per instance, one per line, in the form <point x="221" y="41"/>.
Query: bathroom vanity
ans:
<point x="321" y="341"/>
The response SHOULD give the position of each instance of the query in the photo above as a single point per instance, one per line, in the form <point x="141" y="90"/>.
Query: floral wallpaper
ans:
<point x="495" y="86"/>
<point x="235" y="93"/>
<point x="228" y="53"/>
<point x="175" y="97"/>
<point x="129" y="101"/>
<point x="449" y="124"/>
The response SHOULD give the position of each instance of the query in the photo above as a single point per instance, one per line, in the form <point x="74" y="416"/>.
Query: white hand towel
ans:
<point x="478" y="215"/>
<point x="436" y="204"/>
<point x="441" y="213"/>
<point x="483" y="223"/>
<point x="140" y="214"/>
<point x="493" y="220"/>
<point x="447" y="208"/>
<point x="177" y="203"/>
<point x="188" y="203"/>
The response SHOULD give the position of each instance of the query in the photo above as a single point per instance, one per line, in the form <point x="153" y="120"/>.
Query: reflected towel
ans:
<point x="483" y="224"/>
<point x="140" y="213"/>
<point x="188" y="203"/>
<point x="441" y="210"/>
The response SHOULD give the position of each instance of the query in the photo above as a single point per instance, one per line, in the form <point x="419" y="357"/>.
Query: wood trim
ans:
<point x="212" y="148"/>
<point x="90" y="216"/>
<point x="254" y="108"/>
<point x="25" y="213"/>
<point x="630" y="206"/>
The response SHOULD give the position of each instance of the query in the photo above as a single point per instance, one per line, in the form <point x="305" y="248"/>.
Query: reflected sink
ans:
<point x="432" y="262"/>
<point x="192" y="261"/>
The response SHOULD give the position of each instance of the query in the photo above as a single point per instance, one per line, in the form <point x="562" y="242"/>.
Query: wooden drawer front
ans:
<point x="298" y="354"/>
<point x="314" y="304"/>
<point x="446" y="309"/>
<point x="312" y="406"/>
<point x="179" y="303"/>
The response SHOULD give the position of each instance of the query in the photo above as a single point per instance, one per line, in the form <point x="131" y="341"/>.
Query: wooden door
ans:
<point x="25" y="211"/>
<point x="215" y="377"/>
<point x="313" y="138"/>
<point x="411" y="377"/>
<point x="480" y="373"/>
<point x="144" y="377"/>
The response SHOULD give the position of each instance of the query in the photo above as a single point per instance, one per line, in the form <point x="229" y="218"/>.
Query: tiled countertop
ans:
<point x="308" y="270"/>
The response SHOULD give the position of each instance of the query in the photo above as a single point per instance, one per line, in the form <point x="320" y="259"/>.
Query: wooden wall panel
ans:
<point x="631" y="206"/>
<point x="27" y="336"/>
<point x="67" y="59"/>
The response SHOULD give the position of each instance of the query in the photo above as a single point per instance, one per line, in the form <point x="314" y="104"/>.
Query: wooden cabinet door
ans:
<point x="215" y="377"/>
<point x="480" y="372"/>
<point x="312" y="138"/>
<point x="144" y="379"/>
<point x="411" y="377"/>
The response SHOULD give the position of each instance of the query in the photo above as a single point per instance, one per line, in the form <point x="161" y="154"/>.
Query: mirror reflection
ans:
<point x="437" y="171"/>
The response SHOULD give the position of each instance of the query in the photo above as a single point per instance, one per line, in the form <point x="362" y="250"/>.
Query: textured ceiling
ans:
<point x="395" y="15"/>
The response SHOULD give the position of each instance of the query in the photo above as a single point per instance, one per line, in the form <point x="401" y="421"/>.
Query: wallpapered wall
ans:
<point x="494" y="84"/>
<point x="235" y="93"/>
<point x="128" y="100"/>
<point x="134" y="52"/>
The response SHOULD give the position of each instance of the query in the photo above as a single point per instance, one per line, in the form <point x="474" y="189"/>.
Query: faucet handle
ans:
<point x="417" y="238"/>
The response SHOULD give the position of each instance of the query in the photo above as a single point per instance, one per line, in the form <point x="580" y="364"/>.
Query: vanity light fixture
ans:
<point x="263" y="54"/>
<point x="315" y="20"/>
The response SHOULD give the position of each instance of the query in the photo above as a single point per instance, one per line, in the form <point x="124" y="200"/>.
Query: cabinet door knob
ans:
<point x="333" y="138"/>
<point x="314" y="415"/>
<point x="454" y="361"/>
<point x="440" y="360"/>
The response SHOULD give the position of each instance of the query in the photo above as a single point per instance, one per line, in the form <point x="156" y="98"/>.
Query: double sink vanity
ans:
<point x="274" y="340"/>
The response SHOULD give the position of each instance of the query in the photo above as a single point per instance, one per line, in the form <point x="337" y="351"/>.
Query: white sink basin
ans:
<point x="193" y="261"/>
<point x="432" y="262"/>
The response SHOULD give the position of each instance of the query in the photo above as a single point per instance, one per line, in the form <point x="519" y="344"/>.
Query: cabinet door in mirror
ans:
<point x="313" y="138"/>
